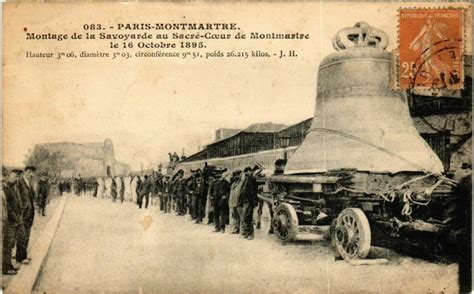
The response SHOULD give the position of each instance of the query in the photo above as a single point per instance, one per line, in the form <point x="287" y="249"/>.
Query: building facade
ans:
<point x="88" y="159"/>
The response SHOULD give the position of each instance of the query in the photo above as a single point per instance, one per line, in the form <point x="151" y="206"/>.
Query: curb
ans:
<point x="25" y="280"/>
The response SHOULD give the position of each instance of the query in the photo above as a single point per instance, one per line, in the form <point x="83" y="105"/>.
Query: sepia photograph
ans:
<point x="237" y="147"/>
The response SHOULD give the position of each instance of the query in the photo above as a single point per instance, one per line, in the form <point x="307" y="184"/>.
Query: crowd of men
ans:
<point x="22" y="192"/>
<point x="223" y="192"/>
<point x="219" y="193"/>
<point x="229" y="193"/>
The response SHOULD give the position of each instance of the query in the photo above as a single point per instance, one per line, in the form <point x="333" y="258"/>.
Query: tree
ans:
<point x="47" y="162"/>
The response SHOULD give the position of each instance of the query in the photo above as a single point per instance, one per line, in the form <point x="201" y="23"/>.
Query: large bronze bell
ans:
<point x="359" y="122"/>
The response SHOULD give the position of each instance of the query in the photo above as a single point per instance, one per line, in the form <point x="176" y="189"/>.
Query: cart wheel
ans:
<point x="352" y="234"/>
<point x="332" y="229"/>
<point x="285" y="222"/>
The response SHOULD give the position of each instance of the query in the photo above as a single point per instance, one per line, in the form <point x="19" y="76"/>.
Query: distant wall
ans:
<point x="89" y="159"/>
<point x="121" y="169"/>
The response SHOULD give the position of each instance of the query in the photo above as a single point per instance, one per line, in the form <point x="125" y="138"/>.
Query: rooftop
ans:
<point x="266" y="127"/>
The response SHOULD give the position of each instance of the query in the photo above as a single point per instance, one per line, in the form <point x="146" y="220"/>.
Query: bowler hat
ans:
<point x="30" y="167"/>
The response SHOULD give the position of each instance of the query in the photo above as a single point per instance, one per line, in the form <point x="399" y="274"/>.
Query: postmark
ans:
<point x="431" y="49"/>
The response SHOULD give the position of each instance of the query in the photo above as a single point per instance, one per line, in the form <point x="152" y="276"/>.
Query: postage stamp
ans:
<point x="431" y="49"/>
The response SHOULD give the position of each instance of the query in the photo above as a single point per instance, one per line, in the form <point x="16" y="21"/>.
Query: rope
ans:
<point x="406" y="210"/>
<point x="390" y="194"/>
<point x="408" y="197"/>
<point x="413" y="180"/>
<point x="372" y="145"/>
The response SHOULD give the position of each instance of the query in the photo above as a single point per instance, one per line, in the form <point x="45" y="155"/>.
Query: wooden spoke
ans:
<point x="352" y="234"/>
<point x="285" y="222"/>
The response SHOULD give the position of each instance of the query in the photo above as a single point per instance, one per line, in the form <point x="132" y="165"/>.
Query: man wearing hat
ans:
<point x="237" y="181"/>
<point x="166" y="190"/>
<point x="43" y="191"/>
<point x="145" y="190"/>
<point x="27" y="195"/>
<point x="248" y="201"/>
<point x="13" y="228"/>
<point x="199" y="198"/>
<point x="190" y="197"/>
<point x="179" y="191"/>
<point x="122" y="190"/>
<point x="113" y="189"/>
<point x="212" y="178"/>
<point x="221" y="202"/>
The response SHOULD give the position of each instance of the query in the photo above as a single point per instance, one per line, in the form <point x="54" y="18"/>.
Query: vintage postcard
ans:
<point x="237" y="147"/>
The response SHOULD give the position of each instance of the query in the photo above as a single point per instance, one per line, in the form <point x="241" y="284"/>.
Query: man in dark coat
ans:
<point x="14" y="227"/>
<point x="166" y="193"/>
<point x="61" y="187"/>
<point x="138" y="187"/>
<point x="190" y="197"/>
<point x="248" y="201"/>
<point x="210" y="193"/>
<point x="113" y="190"/>
<point x="7" y="266"/>
<point x="159" y="191"/>
<point x="27" y="194"/>
<point x="95" y="187"/>
<point x="181" y="195"/>
<point x="43" y="191"/>
<point x="83" y="183"/>
<point x="199" y="198"/>
<point x="220" y="200"/>
<point x="78" y="185"/>
<point x="145" y="190"/>
<point x="179" y="191"/>
<point x="68" y="186"/>
<point x="122" y="189"/>
<point x="236" y="183"/>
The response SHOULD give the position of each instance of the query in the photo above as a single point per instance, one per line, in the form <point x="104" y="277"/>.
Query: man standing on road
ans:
<point x="122" y="190"/>
<point x="138" y="186"/>
<point x="95" y="187"/>
<point x="145" y="190"/>
<point x="220" y="199"/>
<point x="179" y="191"/>
<point x="248" y="201"/>
<point x="113" y="190"/>
<point x="7" y="266"/>
<point x="61" y="187"/>
<point x="14" y="227"/>
<point x="43" y="191"/>
<point x="166" y="193"/>
<point x="190" y="197"/>
<point x="210" y="203"/>
<point x="25" y="187"/>
<point x="234" y="198"/>
<point x="159" y="191"/>
<point x="200" y="194"/>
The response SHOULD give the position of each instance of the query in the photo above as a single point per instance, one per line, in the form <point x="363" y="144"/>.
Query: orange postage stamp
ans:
<point x="431" y="49"/>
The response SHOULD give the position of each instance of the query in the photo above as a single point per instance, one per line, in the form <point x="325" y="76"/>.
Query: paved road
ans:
<point x="104" y="246"/>
<point x="39" y="224"/>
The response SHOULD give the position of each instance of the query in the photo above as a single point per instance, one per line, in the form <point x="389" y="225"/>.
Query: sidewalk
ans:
<point x="38" y="230"/>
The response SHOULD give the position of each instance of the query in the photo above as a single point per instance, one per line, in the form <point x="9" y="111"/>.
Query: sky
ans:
<point x="149" y="107"/>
